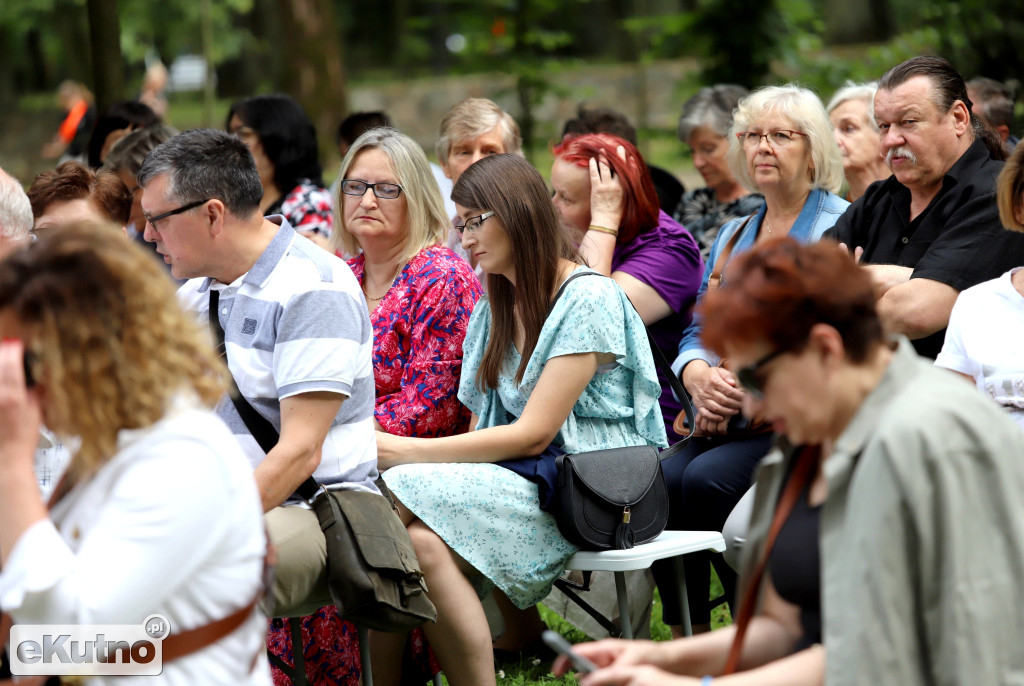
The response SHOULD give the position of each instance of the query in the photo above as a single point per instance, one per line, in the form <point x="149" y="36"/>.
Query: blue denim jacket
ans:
<point x="821" y="210"/>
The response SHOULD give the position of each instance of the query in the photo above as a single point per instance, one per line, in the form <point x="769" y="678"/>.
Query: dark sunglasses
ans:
<point x="750" y="377"/>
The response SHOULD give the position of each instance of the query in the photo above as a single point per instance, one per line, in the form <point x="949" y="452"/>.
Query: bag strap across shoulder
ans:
<point x="258" y="425"/>
<point x="803" y="472"/>
<point x="659" y="361"/>
<point x="715" y="279"/>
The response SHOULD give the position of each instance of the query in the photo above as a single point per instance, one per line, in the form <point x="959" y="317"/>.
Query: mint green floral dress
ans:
<point x="491" y="516"/>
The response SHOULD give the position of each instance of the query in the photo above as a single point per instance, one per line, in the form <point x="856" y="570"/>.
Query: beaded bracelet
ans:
<point x="601" y="229"/>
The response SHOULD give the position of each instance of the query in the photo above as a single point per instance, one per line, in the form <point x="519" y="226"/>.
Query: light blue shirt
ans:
<point x="821" y="210"/>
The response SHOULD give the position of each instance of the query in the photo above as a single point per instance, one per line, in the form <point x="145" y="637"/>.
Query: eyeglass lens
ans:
<point x="386" y="191"/>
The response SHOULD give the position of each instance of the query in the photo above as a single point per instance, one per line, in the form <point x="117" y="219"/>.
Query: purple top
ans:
<point x="667" y="259"/>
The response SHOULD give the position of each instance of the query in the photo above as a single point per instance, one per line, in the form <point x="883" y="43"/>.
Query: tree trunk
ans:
<point x="314" y="72"/>
<point x="857" y="21"/>
<point x="105" y="47"/>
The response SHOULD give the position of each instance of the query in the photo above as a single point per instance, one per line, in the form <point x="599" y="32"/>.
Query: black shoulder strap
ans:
<point x="660" y="362"/>
<point x="260" y="428"/>
<point x="572" y="277"/>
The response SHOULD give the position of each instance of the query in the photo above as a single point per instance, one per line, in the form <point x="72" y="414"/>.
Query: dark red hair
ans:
<point x="777" y="291"/>
<point x="640" y="206"/>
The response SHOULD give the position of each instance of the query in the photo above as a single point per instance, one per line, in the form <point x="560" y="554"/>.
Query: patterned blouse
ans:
<point x="309" y="208"/>
<point x="418" y="329"/>
<point x="702" y="215"/>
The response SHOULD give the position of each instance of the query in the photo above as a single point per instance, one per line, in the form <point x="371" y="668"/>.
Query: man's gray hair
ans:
<point x="15" y="209"/>
<point x="473" y="118"/>
<point x="204" y="164"/>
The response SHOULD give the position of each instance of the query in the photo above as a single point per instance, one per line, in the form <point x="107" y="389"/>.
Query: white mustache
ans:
<point x="901" y="151"/>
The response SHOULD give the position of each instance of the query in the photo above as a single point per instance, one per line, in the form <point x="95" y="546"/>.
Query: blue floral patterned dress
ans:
<point x="491" y="516"/>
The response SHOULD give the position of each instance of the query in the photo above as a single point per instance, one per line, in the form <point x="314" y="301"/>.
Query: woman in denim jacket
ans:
<point x="781" y="146"/>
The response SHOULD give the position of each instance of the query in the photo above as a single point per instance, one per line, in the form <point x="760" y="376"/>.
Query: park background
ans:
<point x="413" y="59"/>
<point x="539" y="59"/>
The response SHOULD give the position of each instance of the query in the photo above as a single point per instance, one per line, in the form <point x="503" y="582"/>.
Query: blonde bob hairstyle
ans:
<point x="804" y="109"/>
<point x="113" y="348"/>
<point x="426" y="221"/>
<point x="1010" y="195"/>
<point x="473" y="118"/>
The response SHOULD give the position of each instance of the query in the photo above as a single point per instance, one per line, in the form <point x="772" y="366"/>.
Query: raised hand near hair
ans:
<point x="607" y="196"/>
<point x="20" y="414"/>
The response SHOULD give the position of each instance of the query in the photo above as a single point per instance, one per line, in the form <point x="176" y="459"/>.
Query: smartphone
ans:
<point x="29" y="361"/>
<point x="561" y="646"/>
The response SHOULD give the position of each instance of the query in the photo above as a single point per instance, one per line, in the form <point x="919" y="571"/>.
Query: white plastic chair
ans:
<point x="670" y="544"/>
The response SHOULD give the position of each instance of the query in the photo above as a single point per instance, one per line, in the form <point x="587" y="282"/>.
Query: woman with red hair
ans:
<point x="604" y="193"/>
<point x="887" y="511"/>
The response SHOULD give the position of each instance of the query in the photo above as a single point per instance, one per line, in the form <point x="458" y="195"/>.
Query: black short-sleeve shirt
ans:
<point x="958" y="240"/>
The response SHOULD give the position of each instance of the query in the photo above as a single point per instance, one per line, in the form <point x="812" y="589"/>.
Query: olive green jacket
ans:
<point x="922" y="534"/>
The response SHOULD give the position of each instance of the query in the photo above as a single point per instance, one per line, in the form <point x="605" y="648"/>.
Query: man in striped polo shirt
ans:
<point x="297" y="334"/>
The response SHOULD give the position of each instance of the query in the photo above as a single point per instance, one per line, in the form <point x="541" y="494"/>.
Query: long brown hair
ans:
<point x="510" y="187"/>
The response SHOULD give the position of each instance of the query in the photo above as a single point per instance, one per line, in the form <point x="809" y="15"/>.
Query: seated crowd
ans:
<point x="419" y="329"/>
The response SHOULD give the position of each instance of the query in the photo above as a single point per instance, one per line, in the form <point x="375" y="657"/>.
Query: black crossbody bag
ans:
<point x="372" y="570"/>
<point x="614" y="498"/>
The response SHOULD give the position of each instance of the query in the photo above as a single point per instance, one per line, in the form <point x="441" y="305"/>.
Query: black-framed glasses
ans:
<point x="170" y="213"/>
<point x="473" y="223"/>
<point x="776" y="139"/>
<point x="385" y="191"/>
<point x="751" y="378"/>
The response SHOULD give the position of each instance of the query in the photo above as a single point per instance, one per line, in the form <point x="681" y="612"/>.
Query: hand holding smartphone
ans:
<point x="561" y="646"/>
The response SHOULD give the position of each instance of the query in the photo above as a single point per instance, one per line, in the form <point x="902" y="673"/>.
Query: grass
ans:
<point x="532" y="671"/>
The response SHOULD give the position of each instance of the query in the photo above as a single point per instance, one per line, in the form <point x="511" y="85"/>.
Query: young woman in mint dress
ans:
<point x="577" y="378"/>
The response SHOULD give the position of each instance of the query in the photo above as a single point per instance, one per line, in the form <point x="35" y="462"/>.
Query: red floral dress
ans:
<point x="418" y="329"/>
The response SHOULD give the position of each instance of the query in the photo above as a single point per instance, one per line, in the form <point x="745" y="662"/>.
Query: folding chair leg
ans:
<point x="298" y="650"/>
<point x="625" y="618"/>
<point x="684" y="602"/>
<point x="364" y="655"/>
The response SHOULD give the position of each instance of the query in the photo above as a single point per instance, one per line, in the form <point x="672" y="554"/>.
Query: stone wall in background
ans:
<point x="651" y="96"/>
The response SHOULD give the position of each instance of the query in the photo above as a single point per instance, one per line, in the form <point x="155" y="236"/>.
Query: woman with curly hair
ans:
<point x="157" y="512"/>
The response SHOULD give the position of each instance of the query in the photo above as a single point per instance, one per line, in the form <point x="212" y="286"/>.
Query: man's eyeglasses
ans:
<point x="473" y="223"/>
<point x="776" y="139"/>
<point x="385" y="191"/>
<point x="751" y="378"/>
<point x="170" y="213"/>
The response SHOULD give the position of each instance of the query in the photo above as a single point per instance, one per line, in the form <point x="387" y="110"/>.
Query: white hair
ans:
<point x="15" y="209"/>
<point x="804" y="109"/>
<point x="852" y="90"/>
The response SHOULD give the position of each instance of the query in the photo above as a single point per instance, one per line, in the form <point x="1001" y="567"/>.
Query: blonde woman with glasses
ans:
<point x="781" y="146"/>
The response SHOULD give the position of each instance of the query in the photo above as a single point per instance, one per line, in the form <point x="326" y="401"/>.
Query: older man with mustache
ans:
<point x="932" y="229"/>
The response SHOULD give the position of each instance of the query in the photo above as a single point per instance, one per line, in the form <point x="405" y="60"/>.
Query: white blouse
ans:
<point x="172" y="525"/>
